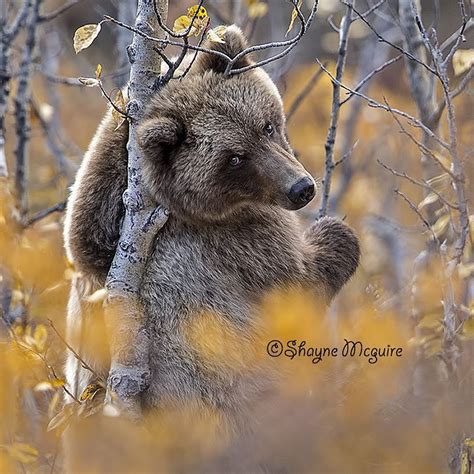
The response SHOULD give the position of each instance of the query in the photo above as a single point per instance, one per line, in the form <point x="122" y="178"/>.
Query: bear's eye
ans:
<point x="235" y="161"/>
<point x="268" y="129"/>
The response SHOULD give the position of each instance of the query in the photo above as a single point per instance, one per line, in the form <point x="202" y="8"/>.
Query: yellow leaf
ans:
<point x="91" y="391"/>
<point x="463" y="60"/>
<point x="202" y="14"/>
<point x="57" y="383"/>
<point x="256" y="9"/>
<point x="49" y="385"/>
<point x="431" y="321"/>
<point x="294" y="15"/>
<point x="53" y="404"/>
<point x="468" y="328"/>
<point x="85" y="35"/>
<point x="98" y="71"/>
<point x="43" y="386"/>
<point x="183" y="22"/>
<point x="119" y="102"/>
<point x="17" y="297"/>
<point x="21" y="452"/>
<point x="440" y="225"/>
<point x="94" y="402"/>
<point x="214" y="37"/>
<point x="466" y="270"/>
<point x="40" y="336"/>
<point x="97" y="297"/>
<point x="18" y="330"/>
<point x="88" y="81"/>
<point x="469" y="442"/>
<point x="433" y="347"/>
<point x="63" y="418"/>
<point x="429" y="199"/>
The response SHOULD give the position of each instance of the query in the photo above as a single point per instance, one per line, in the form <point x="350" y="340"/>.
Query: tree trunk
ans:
<point x="129" y="372"/>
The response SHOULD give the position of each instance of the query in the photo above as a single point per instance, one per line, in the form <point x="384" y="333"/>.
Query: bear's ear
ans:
<point x="234" y="42"/>
<point x="156" y="135"/>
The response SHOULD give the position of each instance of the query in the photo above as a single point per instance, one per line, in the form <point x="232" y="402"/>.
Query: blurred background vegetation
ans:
<point x="412" y="414"/>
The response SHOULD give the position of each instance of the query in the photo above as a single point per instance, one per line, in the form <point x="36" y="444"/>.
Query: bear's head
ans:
<point x="215" y="143"/>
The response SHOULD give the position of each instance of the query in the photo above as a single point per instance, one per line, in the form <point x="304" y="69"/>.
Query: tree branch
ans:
<point x="22" y="101"/>
<point x="336" y="104"/>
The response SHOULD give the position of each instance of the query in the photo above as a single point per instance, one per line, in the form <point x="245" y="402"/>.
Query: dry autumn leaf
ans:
<point x="21" y="452"/>
<point x="441" y="225"/>
<point x="49" y="385"/>
<point x="256" y="9"/>
<point x="40" y="336"/>
<point x="119" y="102"/>
<point x="53" y="404"/>
<point x="63" y="418"/>
<point x="85" y="35"/>
<point x="214" y="37"/>
<point x="294" y="14"/>
<point x="463" y="60"/>
<point x="98" y="71"/>
<point x="468" y="328"/>
<point x="429" y="199"/>
<point x="91" y="391"/>
<point x="88" y="81"/>
<point x="183" y="23"/>
<point x="201" y="15"/>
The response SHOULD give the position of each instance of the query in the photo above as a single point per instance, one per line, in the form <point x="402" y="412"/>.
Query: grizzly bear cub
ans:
<point x="216" y="155"/>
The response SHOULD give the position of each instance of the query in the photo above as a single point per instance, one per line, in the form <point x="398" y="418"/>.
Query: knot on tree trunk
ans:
<point x="133" y="200"/>
<point x="128" y="382"/>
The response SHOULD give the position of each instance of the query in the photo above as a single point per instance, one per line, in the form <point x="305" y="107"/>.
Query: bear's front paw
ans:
<point x="333" y="253"/>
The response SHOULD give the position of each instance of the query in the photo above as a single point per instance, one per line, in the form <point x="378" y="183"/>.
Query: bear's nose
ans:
<point x="302" y="191"/>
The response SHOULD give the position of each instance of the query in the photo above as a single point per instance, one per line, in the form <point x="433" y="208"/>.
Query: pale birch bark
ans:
<point x="129" y="373"/>
<point x="126" y="14"/>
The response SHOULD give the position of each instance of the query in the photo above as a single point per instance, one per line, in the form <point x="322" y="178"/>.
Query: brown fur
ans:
<point x="231" y="236"/>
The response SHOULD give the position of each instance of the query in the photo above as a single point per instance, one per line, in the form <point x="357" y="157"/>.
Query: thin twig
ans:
<point x="393" y="45"/>
<point x="62" y="9"/>
<point x="346" y="155"/>
<point x="48" y="366"/>
<point x="467" y="78"/>
<point x="457" y="165"/>
<point x="169" y="31"/>
<point x="369" y="76"/>
<point x="332" y="130"/>
<point x="414" y="208"/>
<point x="85" y="365"/>
<point x="422" y="184"/>
<point x="370" y="10"/>
<point x="313" y="80"/>
<point x="59" y="207"/>
<point x="289" y="44"/>
<point x="377" y="105"/>
<point x="111" y="102"/>
<point x="424" y="149"/>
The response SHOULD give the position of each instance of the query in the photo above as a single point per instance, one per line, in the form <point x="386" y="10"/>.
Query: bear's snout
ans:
<point x="302" y="192"/>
